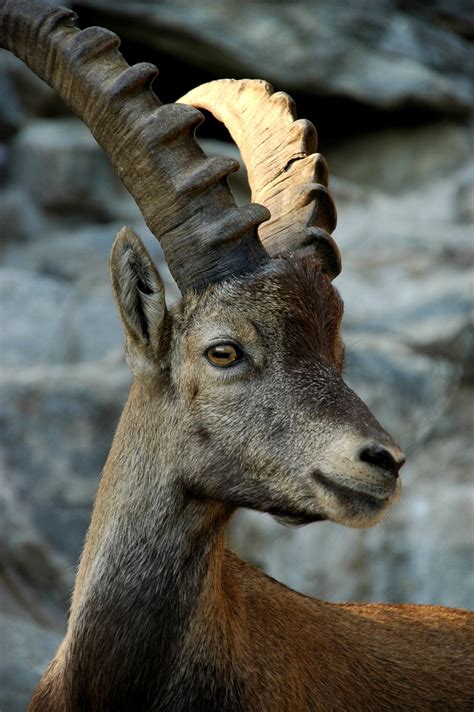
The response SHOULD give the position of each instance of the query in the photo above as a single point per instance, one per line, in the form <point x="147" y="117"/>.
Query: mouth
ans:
<point x="358" y="506"/>
<point x="355" y="499"/>
<point x="295" y="519"/>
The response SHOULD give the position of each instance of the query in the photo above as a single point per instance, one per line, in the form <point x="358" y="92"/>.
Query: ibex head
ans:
<point x="246" y="368"/>
<point x="251" y="368"/>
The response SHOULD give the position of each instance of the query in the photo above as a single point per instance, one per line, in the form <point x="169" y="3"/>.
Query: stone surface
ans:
<point x="406" y="391"/>
<point x="23" y="95"/>
<point x="400" y="159"/>
<point x="38" y="333"/>
<point x="19" y="218"/>
<point x="64" y="169"/>
<point x="35" y="582"/>
<point x="26" y="650"/>
<point x="78" y="256"/>
<point x="372" y="53"/>
<point x="57" y="424"/>
<point x="11" y="116"/>
<point x="61" y="323"/>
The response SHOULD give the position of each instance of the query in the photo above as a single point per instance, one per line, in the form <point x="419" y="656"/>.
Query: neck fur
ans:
<point x="150" y="580"/>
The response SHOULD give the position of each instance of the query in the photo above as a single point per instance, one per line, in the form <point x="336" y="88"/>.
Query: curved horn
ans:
<point x="285" y="172"/>
<point x="182" y="194"/>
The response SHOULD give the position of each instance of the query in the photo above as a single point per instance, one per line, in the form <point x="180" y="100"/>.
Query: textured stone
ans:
<point x="38" y="334"/>
<point x="408" y="268"/>
<point x="60" y="322"/>
<point x="80" y="255"/>
<point x="19" y="218"/>
<point x="35" y="582"/>
<point x="57" y="425"/>
<point x="23" y="94"/>
<point x="64" y="169"/>
<point x="400" y="159"/>
<point x="372" y="53"/>
<point x="26" y="650"/>
<point x="11" y="115"/>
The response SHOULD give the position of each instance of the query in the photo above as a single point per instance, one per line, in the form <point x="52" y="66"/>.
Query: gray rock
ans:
<point x="34" y="581"/>
<point x="400" y="159"/>
<point x="38" y="334"/>
<point x="23" y="94"/>
<point x="57" y="425"/>
<point x="455" y="14"/>
<point x="67" y="255"/>
<point x="80" y="254"/>
<point x="407" y="268"/>
<point x="3" y="162"/>
<point x="433" y="314"/>
<point x="464" y="205"/>
<point x="419" y="229"/>
<point x="26" y="650"/>
<point x="11" y="115"/>
<point x="60" y="322"/>
<point x="91" y="326"/>
<point x="63" y="168"/>
<point x="67" y="310"/>
<point x="20" y="220"/>
<point x="372" y="53"/>
<point x="437" y="519"/>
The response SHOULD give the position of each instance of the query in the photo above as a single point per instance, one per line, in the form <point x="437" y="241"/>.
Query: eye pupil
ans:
<point x="223" y="354"/>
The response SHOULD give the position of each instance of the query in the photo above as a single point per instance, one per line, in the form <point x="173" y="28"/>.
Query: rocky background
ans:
<point x="389" y="86"/>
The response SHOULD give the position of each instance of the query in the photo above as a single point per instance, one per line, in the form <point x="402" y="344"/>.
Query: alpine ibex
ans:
<point x="237" y="401"/>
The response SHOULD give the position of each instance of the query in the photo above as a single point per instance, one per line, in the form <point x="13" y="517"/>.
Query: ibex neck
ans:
<point x="150" y="573"/>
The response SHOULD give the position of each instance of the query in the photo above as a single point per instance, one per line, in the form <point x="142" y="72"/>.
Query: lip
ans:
<point x="346" y="494"/>
<point x="295" y="518"/>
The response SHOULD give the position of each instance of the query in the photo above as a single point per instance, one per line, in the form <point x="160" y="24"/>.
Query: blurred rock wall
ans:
<point x="389" y="86"/>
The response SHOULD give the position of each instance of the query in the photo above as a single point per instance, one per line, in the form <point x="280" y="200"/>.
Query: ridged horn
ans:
<point x="285" y="172"/>
<point x="182" y="194"/>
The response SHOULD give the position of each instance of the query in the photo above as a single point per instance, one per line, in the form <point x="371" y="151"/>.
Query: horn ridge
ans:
<point x="206" y="173"/>
<point x="133" y="80"/>
<point x="93" y="42"/>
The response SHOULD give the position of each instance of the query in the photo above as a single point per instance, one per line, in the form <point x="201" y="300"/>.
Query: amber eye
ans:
<point x="223" y="355"/>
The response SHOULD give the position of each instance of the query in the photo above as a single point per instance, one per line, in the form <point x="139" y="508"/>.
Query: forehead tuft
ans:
<point x="290" y="294"/>
<point x="309" y="293"/>
<point x="312" y="311"/>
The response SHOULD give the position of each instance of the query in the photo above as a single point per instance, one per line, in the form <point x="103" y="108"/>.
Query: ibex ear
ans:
<point x="139" y="294"/>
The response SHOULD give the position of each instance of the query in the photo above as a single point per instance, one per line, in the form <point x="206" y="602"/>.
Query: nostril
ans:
<point x="380" y="457"/>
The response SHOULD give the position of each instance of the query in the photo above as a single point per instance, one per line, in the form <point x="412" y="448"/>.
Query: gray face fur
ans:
<point x="278" y="430"/>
